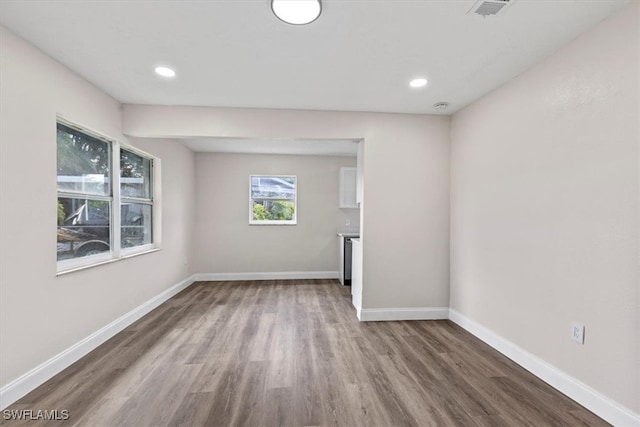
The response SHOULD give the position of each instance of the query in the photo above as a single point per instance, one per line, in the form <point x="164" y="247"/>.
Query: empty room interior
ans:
<point x="320" y="212"/>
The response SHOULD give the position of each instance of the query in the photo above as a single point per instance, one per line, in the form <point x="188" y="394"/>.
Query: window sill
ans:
<point x="109" y="261"/>
<point x="273" y="223"/>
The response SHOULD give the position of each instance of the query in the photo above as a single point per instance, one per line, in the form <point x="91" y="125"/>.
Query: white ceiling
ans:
<point x="312" y="147"/>
<point x="358" y="56"/>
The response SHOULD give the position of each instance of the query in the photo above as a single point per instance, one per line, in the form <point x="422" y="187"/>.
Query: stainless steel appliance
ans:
<point x="347" y="261"/>
<point x="344" y="274"/>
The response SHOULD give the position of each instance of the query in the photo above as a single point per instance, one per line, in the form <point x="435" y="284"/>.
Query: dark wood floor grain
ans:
<point x="292" y="353"/>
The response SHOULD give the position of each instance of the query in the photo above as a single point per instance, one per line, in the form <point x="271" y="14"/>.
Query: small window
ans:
<point x="273" y="199"/>
<point x="136" y="200"/>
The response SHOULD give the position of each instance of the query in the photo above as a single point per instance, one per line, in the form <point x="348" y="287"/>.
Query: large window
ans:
<point x="105" y="199"/>
<point x="272" y="199"/>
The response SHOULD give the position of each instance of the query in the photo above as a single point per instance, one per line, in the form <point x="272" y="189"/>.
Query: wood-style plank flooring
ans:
<point x="292" y="353"/>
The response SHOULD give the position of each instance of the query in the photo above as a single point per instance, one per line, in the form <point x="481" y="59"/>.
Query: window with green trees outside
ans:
<point x="272" y="199"/>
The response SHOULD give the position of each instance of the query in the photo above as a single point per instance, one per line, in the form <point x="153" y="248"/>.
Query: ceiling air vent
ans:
<point x="486" y="8"/>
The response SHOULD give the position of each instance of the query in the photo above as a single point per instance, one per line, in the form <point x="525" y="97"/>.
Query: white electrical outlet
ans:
<point x="347" y="223"/>
<point x="577" y="332"/>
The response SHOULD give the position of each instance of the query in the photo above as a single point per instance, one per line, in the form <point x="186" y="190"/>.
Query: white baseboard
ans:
<point x="409" y="313"/>
<point x="284" y="275"/>
<point x="19" y="387"/>
<point x="591" y="399"/>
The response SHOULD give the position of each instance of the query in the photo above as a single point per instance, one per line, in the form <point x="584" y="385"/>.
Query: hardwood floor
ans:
<point x="292" y="353"/>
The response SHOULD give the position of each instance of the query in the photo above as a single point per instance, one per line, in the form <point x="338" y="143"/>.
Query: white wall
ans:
<point x="405" y="211"/>
<point x="545" y="214"/>
<point x="226" y="242"/>
<point x="178" y="206"/>
<point x="41" y="314"/>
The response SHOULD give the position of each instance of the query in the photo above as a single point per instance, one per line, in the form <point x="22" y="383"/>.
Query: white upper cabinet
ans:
<point x="348" y="178"/>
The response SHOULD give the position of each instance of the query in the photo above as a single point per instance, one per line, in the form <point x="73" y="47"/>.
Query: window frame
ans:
<point x="116" y="252"/>
<point x="138" y="200"/>
<point x="293" y="221"/>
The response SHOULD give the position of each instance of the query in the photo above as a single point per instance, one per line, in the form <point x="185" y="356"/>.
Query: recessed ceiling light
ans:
<point x="296" y="12"/>
<point x="419" y="82"/>
<point x="165" y="72"/>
